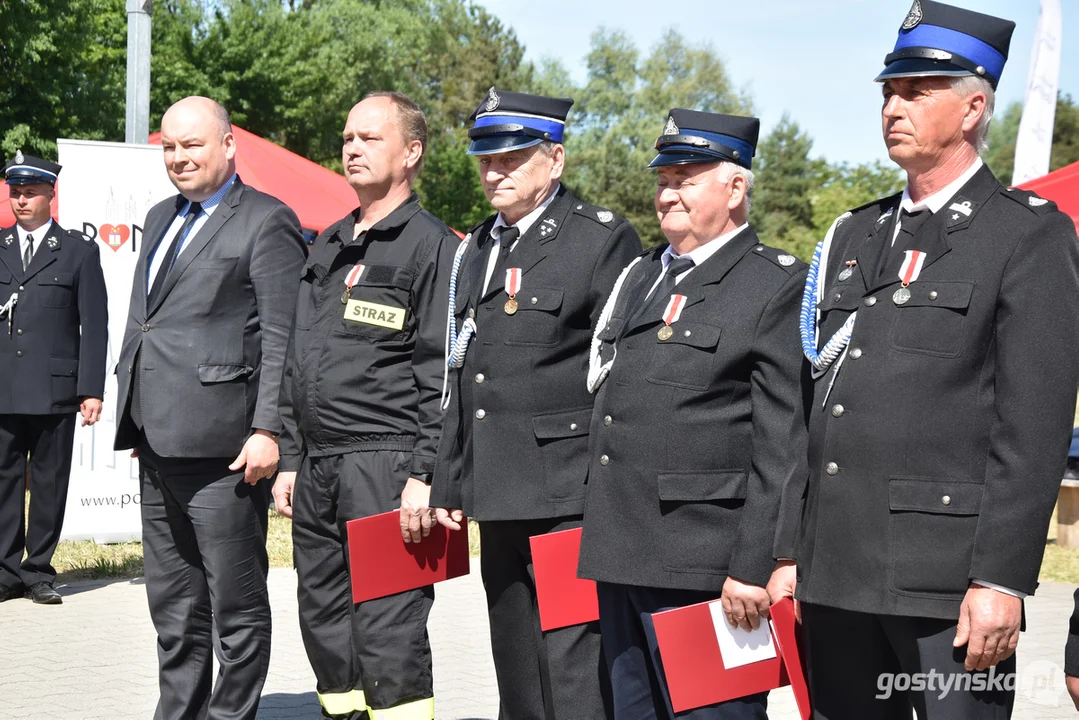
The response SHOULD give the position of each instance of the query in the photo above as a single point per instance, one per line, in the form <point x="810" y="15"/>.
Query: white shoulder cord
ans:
<point x="456" y="345"/>
<point x="597" y="369"/>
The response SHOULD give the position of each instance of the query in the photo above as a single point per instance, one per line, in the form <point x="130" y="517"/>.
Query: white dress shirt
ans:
<point x="698" y="255"/>
<point x="38" y="235"/>
<point x="523" y="225"/>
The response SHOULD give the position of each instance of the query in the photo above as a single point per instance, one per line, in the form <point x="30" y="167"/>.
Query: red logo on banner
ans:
<point x="114" y="236"/>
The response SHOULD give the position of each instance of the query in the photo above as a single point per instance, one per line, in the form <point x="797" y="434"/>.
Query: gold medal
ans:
<point x="665" y="333"/>
<point x="511" y="307"/>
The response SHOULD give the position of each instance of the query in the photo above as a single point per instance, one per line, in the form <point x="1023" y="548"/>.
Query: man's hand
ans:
<point x="989" y="626"/>
<point x="744" y="604"/>
<point x="283" y="487"/>
<point x="781" y="585"/>
<point x="1073" y="689"/>
<point x="417" y="517"/>
<point x="91" y="410"/>
<point x="259" y="456"/>
<point x="451" y="519"/>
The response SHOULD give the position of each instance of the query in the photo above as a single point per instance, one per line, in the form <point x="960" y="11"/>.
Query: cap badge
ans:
<point x="670" y="128"/>
<point x="492" y="100"/>
<point x="914" y="16"/>
<point x="19" y="159"/>
<point x="605" y="216"/>
<point x="1036" y="201"/>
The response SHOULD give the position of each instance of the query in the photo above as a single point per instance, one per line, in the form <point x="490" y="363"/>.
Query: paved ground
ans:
<point x="94" y="656"/>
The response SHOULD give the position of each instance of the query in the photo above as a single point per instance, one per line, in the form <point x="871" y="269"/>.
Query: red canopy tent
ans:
<point x="1062" y="187"/>
<point x="320" y="197"/>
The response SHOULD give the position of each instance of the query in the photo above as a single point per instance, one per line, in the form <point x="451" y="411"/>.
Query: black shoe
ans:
<point x="43" y="593"/>
<point x="12" y="593"/>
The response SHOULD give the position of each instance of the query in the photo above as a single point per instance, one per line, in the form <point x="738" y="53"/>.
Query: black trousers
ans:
<point x="884" y="666"/>
<point x="204" y="547"/>
<point x="374" y="654"/>
<point x="555" y="675"/>
<point x="632" y="652"/>
<point x="47" y="439"/>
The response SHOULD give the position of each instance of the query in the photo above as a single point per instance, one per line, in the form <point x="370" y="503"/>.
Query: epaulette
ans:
<point x="77" y="235"/>
<point x="781" y="258"/>
<point x="1031" y="201"/>
<point x="881" y="203"/>
<point x="601" y="215"/>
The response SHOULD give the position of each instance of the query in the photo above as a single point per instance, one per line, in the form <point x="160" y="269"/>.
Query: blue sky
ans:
<point x="813" y="58"/>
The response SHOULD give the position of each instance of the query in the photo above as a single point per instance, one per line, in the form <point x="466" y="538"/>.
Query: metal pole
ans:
<point x="137" y="125"/>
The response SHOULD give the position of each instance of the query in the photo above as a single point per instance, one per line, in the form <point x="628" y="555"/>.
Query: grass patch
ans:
<point x="86" y="560"/>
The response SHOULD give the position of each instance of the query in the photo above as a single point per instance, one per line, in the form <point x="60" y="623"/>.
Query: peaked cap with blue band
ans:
<point x="939" y="39"/>
<point x="691" y="136"/>
<point x="507" y="121"/>
<point x="29" y="170"/>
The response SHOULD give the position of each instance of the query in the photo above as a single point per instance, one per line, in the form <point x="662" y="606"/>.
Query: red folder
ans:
<point x="784" y="625"/>
<point x="383" y="564"/>
<point x="564" y="599"/>
<point x="693" y="666"/>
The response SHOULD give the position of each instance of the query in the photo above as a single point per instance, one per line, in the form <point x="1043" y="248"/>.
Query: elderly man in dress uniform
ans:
<point x="939" y="324"/>
<point x="696" y="384"/>
<point x="530" y="283"/>
<point x="53" y="340"/>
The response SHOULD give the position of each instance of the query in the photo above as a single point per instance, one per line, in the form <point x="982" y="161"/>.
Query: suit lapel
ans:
<point x="876" y="241"/>
<point x="9" y="252"/>
<point x="153" y="236"/>
<point x="198" y="243"/>
<point x="45" y="254"/>
<point x="533" y="246"/>
<point x="475" y="264"/>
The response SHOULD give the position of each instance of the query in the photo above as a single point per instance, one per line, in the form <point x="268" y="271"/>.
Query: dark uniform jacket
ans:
<point x="515" y="441"/>
<point x="55" y="354"/>
<point x="937" y="456"/>
<point x="210" y="350"/>
<point x="690" y="444"/>
<point x="368" y="375"/>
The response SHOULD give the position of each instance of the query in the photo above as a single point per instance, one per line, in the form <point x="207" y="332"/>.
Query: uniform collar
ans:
<point x="38" y="234"/>
<point x="530" y="219"/>
<point x="397" y="218"/>
<point x="701" y="253"/>
<point x="938" y="199"/>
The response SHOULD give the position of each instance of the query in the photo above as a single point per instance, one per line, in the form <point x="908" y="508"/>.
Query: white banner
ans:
<point x="104" y="191"/>
<point x="1035" y="142"/>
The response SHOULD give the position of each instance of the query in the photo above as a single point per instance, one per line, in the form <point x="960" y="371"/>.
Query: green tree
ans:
<point x="786" y="178"/>
<point x="1005" y="129"/>
<point x="62" y="64"/>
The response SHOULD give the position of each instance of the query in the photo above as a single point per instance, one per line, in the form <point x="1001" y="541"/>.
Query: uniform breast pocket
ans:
<point x="537" y="318"/>
<point x="56" y="288"/>
<point x="837" y="304"/>
<point x="378" y="306"/>
<point x="687" y="358"/>
<point x="933" y="320"/>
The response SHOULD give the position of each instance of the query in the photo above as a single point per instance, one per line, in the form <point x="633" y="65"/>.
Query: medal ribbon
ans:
<point x="674" y="309"/>
<point x="513" y="281"/>
<point x="912" y="266"/>
<point x="353" y="276"/>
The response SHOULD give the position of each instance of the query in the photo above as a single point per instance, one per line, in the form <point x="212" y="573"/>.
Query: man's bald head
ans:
<point x="200" y="149"/>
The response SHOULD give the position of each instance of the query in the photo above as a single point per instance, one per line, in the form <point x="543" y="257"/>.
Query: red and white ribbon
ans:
<point x="912" y="266"/>
<point x="674" y="309"/>
<point x="353" y="276"/>
<point x="513" y="281"/>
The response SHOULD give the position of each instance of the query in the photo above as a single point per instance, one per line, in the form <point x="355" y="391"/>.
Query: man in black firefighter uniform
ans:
<point x="940" y="326"/>
<point x="514" y="449"/>
<point x="696" y="385"/>
<point x="360" y="405"/>
<point x="53" y="340"/>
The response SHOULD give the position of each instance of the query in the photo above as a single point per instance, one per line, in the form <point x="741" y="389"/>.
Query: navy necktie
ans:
<point x="172" y="253"/>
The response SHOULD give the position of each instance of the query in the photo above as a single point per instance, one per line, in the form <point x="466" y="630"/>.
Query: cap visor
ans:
<point x="689" y="157"/>
<point x="501" y="143"/>
<point x="29" y="180"/>
<point x="922" y="67"/>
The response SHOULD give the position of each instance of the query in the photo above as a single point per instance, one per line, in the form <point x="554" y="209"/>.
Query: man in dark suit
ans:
<point x="53" y="342"/>
<point x="697" y="383"/>
<point x="199" y="378"/>
<point x="940" y="326"/>
<point x="513" y="453"/>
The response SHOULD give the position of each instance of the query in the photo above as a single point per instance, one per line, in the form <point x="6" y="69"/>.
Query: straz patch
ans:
<point x="374" y="314"/>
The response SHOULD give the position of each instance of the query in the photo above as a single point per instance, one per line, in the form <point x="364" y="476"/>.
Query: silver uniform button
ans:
<point x="608" y="420"/>
<point x="603" y="459"/>
<point x="831" y="468"/>
<point x="856" y="353"/>
<point x="480" y="378"/>
<point x="946" y="500"/>
<point x="535" y="300"/>
<point x="933" y="295"/>
<point x="573" y="426"/>
<point x="481" y="414"/>
<point x="472" y="313"/>
<point x="837" y="297"/>
<point x="838" y="410"/>
<point x="870" y="301"/>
